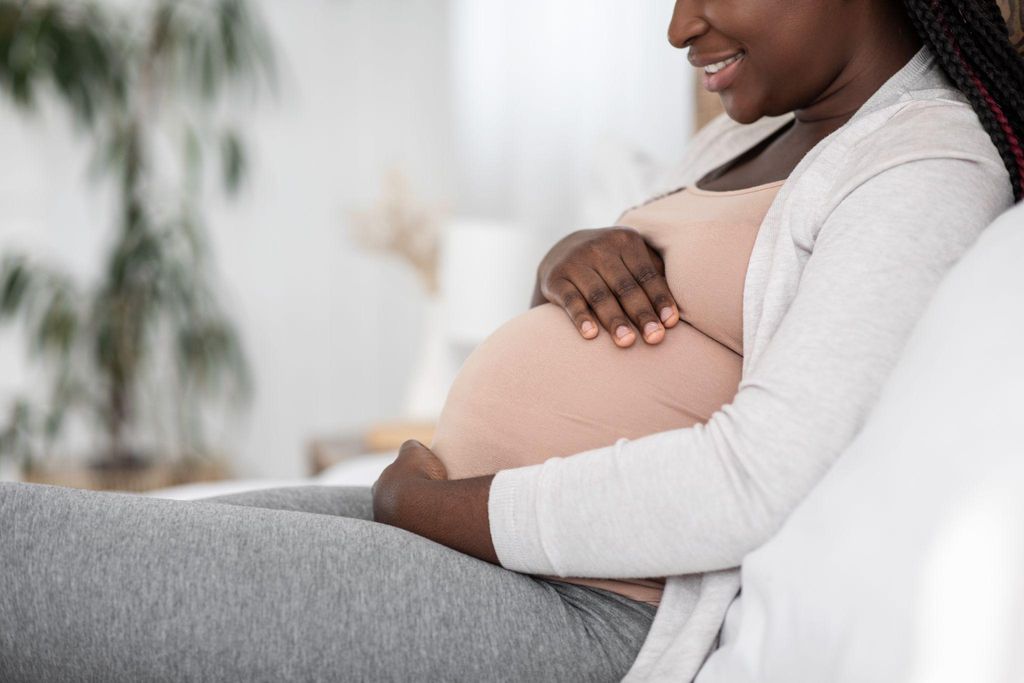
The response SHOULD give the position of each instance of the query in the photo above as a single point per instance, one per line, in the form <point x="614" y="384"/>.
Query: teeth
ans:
<point x="718" y="66"/>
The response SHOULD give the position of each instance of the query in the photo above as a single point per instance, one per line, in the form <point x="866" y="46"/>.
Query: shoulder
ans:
<point x="924" y="155"/>
<point x="939" y="128"/>
<point x="925" y="129"/>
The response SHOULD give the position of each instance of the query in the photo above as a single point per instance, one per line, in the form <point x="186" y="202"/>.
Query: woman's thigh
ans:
<point x="113" y="587"/>
<point x="340" y="501"/>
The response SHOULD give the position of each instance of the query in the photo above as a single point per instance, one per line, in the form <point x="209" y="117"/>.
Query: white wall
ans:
<point x="331" y="329"/>
<point x="560" y="104"/>
<point x="504" y="108"/>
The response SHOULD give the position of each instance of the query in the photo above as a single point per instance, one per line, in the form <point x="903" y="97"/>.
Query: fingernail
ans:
<point x="622" y="332"/>
<point x="650" y="328"/>
<point x="666" y="314"/>
<point x="587" y="327"/>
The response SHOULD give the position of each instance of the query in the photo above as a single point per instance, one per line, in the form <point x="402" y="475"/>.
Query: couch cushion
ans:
<point x="905" y="563"/>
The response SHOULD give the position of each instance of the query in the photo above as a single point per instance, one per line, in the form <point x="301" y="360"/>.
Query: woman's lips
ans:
<point x="724" y="78"/>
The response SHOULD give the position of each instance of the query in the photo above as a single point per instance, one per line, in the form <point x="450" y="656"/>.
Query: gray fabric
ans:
<point x="341" y="501"/>
<point x="116" y="587"/>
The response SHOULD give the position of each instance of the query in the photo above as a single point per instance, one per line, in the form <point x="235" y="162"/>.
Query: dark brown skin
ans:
<point x="603" y="276"/>
<point x="414" y="494"/>
<point x="821" y="60"/>
<point x="613" y="275"/>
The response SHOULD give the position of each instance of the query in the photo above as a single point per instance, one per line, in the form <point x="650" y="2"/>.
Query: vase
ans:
<point x="433" y="370"/>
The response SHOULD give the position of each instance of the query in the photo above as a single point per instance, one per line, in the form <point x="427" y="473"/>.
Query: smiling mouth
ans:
<point x="718" y="66"/>
<point x="720" y="75"/>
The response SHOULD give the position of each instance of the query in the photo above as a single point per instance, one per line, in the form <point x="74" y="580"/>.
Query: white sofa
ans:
<point x="906" y="563"/>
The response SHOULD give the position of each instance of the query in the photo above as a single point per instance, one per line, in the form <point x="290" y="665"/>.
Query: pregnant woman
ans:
<point x="595" y="479"/>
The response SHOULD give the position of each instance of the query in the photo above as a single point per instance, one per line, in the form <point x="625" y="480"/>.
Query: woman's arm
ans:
<point x="695" y="500"/>
<point x="699" y="499"/>
<point x="414" y="494"/>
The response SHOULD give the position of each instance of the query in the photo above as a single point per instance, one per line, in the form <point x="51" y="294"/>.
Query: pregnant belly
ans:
<point x="535" y="389"/>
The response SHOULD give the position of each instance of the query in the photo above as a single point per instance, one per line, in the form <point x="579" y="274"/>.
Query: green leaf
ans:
<point x="233" y="161"/>
<point x="16" y="279"/>
<point x="116" y="70"/>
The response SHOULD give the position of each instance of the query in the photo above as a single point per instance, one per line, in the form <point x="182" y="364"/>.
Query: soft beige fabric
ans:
<point x="536" y="389"/>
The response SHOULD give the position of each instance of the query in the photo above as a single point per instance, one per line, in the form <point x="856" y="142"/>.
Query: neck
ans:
<point x="875" y="57"/>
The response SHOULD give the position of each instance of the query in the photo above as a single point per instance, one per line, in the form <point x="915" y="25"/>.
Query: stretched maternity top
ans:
<point x="535" y="389"/>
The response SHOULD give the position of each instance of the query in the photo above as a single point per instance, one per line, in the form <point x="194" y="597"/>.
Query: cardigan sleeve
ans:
<point x="699" y="499"/>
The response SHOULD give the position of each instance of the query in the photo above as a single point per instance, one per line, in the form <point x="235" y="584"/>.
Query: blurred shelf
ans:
<point x="129" y="479"/>
<point x="382" y="437"/>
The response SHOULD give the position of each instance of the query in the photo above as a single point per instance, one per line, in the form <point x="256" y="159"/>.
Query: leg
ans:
<point x="114" y="587"/>
<point x="340" y="501"/>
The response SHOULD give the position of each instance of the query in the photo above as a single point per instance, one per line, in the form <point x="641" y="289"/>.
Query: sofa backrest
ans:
<point x="904" y="563"/>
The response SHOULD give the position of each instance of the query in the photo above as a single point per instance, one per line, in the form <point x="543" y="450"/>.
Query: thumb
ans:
<point x="425" y="458"/>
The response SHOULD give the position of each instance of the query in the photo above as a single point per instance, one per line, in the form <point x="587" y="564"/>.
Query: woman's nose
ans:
<point x="687" y="23"/>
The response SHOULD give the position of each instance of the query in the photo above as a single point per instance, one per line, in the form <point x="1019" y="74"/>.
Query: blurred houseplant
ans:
<point x="140" y="81"/>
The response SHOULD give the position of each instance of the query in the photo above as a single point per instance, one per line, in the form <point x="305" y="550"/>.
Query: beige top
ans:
<point x="536" y="389"/>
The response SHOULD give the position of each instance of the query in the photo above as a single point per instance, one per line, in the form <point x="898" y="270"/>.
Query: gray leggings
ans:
<point x="280" y="585"/>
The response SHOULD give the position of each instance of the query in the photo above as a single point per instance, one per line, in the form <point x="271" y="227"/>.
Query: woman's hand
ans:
<point x="416" y="464"/>
<point x="611" y="276"/>
<point x="415" y="494"/>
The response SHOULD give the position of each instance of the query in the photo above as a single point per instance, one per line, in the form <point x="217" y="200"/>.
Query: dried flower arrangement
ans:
<point x="401" y="225"/>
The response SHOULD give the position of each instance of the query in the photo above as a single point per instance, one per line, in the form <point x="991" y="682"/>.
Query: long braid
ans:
<point x="930" y="25"/>
<point x="998" y="90"/>
<point x="988" y="23"/>
<point x="972" y="45"/>
<point x="992" y="36"/>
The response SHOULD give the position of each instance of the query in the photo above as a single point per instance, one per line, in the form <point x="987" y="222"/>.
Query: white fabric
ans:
<point x="845" y="261"/>
<point x="905" y="562"/>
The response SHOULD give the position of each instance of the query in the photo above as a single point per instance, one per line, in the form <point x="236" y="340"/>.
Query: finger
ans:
<point x="433" y="467"/>
<point x="575" y="305"/>
<point x="648" y="269"/>
<point x="423" y="459"/>
<point x="410" y="447"/>
<point x="672" y="312"/>
<point x="633" y="299"/>
<point x="605" y="305"/>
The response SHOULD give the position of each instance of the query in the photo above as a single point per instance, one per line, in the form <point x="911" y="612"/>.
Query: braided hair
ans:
<point x="972" y="44"/>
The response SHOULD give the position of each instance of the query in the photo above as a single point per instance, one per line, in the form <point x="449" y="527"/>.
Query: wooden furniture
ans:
<point x="383" y="437"/>
<point x="131" y="479"/>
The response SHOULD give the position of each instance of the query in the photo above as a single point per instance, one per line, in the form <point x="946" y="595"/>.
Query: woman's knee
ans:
<point x="11" y="491"/>
<point x="338" y="501"/>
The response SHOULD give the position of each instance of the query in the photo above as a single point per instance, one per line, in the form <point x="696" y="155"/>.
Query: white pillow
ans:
<point x="906" y="563"/>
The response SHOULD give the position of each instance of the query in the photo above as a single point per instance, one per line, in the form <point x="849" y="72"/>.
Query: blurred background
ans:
<point x="250" y="238"/>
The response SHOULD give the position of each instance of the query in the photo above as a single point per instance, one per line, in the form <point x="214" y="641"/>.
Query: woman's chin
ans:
<point x="739" y="110"/>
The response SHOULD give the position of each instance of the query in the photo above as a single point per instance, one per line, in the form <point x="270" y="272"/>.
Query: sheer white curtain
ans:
<point x="562" y="109"/>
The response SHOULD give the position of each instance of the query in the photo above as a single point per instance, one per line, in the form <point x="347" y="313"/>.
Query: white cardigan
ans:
<point x="849" y="253"/>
